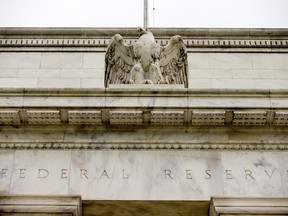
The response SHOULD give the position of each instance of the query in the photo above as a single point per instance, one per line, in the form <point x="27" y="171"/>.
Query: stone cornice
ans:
<point x="93" y="39"/>
<point x="132" y="32"/>
<point x="144" y="107"/>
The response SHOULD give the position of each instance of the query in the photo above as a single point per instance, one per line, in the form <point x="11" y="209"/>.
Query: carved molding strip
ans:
<point x="60" y="43"/>
<point x="152" y="117"/>
<point x="141" y="145"/>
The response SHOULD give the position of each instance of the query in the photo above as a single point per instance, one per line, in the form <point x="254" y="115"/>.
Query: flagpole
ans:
<point x="145" y="21"/>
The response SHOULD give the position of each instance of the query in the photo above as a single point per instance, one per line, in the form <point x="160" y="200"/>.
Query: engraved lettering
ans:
<point x="269" y="175"/>
<point x="64" y="174"/>
<point x="22" y="173"/>
<point x="188" y="174"/>
<point x="168" y="174"/>
<point x="249" y="173"/>
<point x="208" y="175"/>
<point x="104" y="173"/>
<point x="123" y="174"/>
<point x="228" y="174"/>
<point x="4" y="172"/>
<point x="43" y="173"/>
<point x="83" y="172"/>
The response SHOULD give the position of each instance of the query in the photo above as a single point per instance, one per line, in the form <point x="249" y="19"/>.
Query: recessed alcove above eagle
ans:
<point x="145" y="61"/>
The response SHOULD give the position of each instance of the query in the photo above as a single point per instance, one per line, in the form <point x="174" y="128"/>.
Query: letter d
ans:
<point x="43" y="173"/>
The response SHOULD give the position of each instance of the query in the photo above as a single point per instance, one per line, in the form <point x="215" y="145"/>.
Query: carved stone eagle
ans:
<point x="146" y="62"/>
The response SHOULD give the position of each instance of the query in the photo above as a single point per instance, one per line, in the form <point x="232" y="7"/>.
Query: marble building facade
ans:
<point x="70" y="146"/>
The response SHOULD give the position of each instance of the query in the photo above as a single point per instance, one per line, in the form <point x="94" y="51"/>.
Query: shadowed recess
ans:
<point x="145" y="208"/>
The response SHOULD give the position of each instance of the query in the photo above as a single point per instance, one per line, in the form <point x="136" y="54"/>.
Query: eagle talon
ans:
<point x="146" y="81"/>
<point x="131" y="81"/>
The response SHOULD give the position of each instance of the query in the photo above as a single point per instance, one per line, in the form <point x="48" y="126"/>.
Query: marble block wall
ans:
<point x="144" y="175"/>
<point x="86" y="70"/>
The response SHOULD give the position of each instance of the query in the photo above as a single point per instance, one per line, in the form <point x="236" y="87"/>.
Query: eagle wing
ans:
<point x="173" y="62"/>
<point x="118" y="61"/>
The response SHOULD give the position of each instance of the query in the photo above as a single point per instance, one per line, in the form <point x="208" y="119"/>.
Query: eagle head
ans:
<point x="141" y="30"/>
<point x="118" y="38"/>
<point x="176" y="39"/>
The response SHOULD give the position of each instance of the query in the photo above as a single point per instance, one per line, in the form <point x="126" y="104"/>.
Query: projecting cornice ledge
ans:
<point x="97" y="39"/>
<point x="248" y="206"/>
<point x="144" y="107"/>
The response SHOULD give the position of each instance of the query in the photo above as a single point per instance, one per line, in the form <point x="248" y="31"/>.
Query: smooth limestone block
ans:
<point x="199" y="60"/>
<point x="20" y="59"/>
<point x="281" y="74"/>
<point x="36" y="73"/>
<point x="94" y="60"/>
<point x="251" y="174"/>
<point x="59" y="83"/>
<point x="271" y="84"/>
<point x="8" y="73"/>
<point x="92" y="83"/>
<point x="253" y="74"/>
<point x="233" y="83"/>
<point x="62" y="60"/>
<point x="283" y="162"/>
<point x="270" y="61"/>
<point x="200" y="83"/>
<point x="230" y="61"/>
<point x="83" y="73"/>
<point x="201" y="74"/>
<point x="18" y="82"/>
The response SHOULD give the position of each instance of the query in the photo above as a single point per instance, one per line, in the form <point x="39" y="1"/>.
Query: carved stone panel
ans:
<point x="84" y="117"/>
<point x="44" y="117"/>
<point x="281" y="118"/>
<point x="9" y="117"/>
<point x="167" y="117"/>
<point x="126" y="117"/>
<point x="208" y="118"/>
<point x="244" y="118"/>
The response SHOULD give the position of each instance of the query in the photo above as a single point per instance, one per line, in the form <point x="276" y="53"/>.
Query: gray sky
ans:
<point x="129" y="13"/>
